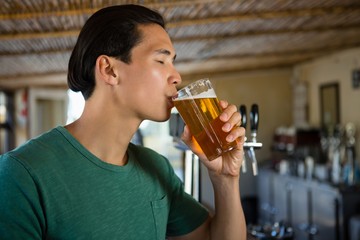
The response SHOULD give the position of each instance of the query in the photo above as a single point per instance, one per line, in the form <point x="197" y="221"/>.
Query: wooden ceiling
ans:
<point x="37" y="36"/>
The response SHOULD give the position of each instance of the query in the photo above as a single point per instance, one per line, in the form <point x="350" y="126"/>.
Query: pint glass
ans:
<point x="199" y="107"/>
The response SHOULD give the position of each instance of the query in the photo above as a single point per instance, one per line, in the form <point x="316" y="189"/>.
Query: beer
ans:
<point x="202" y="117"/>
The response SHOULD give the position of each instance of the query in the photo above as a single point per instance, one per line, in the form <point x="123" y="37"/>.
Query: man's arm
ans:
<point x="228" y="223"/>
<point x="18" y="202"/>
<point x="229" y="220"/>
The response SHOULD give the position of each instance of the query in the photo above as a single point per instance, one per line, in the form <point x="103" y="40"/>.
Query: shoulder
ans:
<point x="153" y="162"/>
<point x="147" y="156"/>
<point x="144" y="151"/>
<point x="37" y="149"/>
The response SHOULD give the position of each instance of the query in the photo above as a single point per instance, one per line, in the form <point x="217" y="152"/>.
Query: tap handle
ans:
<point x="242" y="110"/>
<point x="254" y="118"/>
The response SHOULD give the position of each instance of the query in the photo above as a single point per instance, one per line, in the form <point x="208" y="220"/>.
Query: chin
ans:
<point x="164" y="117"/>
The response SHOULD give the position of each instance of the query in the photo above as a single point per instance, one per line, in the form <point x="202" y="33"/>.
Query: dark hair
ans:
<point x="110" y="31"/>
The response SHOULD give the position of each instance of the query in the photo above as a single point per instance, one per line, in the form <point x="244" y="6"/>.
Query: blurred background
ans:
<point x="298" y="60"/>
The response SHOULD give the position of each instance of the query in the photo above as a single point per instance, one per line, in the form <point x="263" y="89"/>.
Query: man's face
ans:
<point x="149" y="81"/>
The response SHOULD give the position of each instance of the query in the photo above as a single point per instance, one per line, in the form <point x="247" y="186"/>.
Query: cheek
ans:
<point x="153" y="74"/>
<point x="145" y="83"/>
<point x="153" y="82"/>
<point x="145" y="76"/>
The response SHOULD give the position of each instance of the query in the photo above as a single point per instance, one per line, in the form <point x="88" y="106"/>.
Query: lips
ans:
<point x="170" y="102"/>
<point x="175" y="96"/>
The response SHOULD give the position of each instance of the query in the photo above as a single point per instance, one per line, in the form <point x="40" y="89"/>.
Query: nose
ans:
<point x="175" y="77"/>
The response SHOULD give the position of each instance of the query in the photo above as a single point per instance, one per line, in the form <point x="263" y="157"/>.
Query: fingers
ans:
<point x="223" y="104"/>
<point x="232" y="121"/>
<point x="231" y="115"/>
<point x="236" y="133"/>
<point x="188" y="139"/>
<point x="186" y="136"/>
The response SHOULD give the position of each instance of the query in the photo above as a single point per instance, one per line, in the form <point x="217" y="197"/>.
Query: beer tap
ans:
<point x="253" y="144"/>
<point x="350" y="174"/>
<point x="242" y="110"/>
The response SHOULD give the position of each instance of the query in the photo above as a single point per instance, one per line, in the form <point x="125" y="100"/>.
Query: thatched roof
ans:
<point x="37" y="35"/>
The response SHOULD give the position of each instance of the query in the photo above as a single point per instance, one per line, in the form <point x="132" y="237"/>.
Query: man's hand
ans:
<point x="230" y="162"/>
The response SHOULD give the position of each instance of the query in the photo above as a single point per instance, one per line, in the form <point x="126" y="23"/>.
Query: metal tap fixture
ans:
<point x="242" y="110"/>
<point x="252" y="144"/>
<point x="350" y="172"/>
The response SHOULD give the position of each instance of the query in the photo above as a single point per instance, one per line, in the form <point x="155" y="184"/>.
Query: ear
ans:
<point x="105" y="69"/>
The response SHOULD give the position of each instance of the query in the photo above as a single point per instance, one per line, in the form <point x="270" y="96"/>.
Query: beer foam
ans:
<point x="208" y="94"/>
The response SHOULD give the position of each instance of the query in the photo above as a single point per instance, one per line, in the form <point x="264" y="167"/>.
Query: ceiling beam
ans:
<point x="268" y="33"/>
<point x="35" y="35"/>
<point x="75" y="33"/>
<point x="323" y="49"/>
<point x="193" y="21"/>
<point x="226" y="18"/>
<point x="266" y="15"/>
<point x="182" y="22"/>
<point x="316" y="51"/>
<point x="48" y="79"/>
<point x="278" y="54"/>
<point x="90" y="10"/>
<point x="274" y="60"/>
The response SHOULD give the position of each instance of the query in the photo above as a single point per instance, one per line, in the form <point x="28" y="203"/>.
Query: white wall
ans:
<point x="337" y="67"/>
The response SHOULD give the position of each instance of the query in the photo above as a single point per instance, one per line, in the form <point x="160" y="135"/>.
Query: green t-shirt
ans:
<point x="53" y="188"/>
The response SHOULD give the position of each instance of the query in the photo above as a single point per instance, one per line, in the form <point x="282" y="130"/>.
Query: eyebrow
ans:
<point x="165" y="52"/>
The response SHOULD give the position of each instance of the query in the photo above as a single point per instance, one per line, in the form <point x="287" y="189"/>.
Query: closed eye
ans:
<point x="164" y="52"/>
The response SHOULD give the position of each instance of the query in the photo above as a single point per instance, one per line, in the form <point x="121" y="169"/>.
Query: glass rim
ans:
<point x="186" y="90"/>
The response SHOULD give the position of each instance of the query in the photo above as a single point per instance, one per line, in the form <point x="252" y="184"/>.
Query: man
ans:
<point x="85" y="180"/>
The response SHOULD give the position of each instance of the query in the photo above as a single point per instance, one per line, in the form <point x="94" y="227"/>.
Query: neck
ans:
<point x="105" y="139"/>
